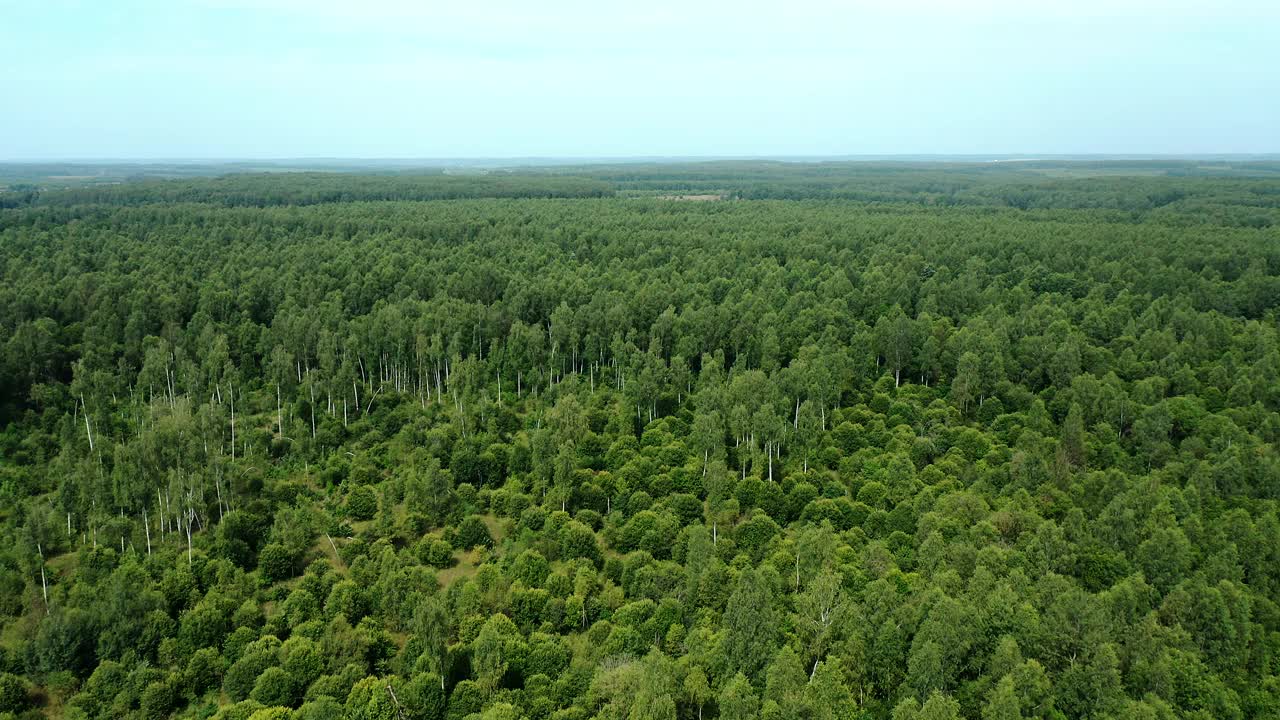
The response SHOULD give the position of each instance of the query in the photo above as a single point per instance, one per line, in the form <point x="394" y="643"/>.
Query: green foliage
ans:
<point x="274" y="687"/>
<point x="276" y="563"/>
<point x="577" y="541"/>
<point x="370" y="700"/>
<point x="13" y="693"/>
<point x="737" y="700"/>
<point x="158" y="700"/>
<point x="204" y="671"/>
<point x="472" y="532"/>
<point x="362" y="503"/>
<point x="868" y="441"/>
<point x="241" y="678"/>
<point x="750" y="627"/>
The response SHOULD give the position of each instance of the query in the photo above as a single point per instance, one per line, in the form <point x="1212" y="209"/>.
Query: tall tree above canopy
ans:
<point x="750" y="626"/>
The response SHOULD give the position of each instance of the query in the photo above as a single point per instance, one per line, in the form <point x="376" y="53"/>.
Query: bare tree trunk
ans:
<point x="169" y="375"/>
<point x="87" y="431"/>
<point x="312" y="389"/>
<point x="233" y="421"/>
<point x="44" y="584"/>
<point x="334" y="546"/>
<point x="399" y="710"/>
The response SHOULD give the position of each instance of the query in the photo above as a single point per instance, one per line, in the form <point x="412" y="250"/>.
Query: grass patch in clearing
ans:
<point x="466" y="562"/>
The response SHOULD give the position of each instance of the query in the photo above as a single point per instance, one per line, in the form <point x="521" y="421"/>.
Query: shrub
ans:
<point x="13" y="693"/>
<point x="467" y="697"/>
<point x="577" y="541"/>
<point x="158" y="700"/>
<point x="241" y="678"/>
<point x="530" y="568"/>
<point x="277" y="563"/>
<point x="439" y="554"/>
<point x="204" y="671"/>
<point x="275" y="687"/>
<point x="472" y="532"/>
<point x="362" y="503"/>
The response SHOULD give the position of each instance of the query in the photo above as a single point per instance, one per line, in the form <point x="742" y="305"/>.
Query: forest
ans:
<point x="890" y="441"/>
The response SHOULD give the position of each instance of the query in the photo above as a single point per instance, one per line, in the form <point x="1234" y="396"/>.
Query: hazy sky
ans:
<point x="470" y="78"/>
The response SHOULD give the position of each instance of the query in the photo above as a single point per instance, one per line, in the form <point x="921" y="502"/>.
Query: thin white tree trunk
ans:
<point x="87" y="431"/>
<point x="233" y="420"/>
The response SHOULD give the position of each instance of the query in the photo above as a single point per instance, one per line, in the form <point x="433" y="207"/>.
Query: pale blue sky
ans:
<point x="470" y="78"/>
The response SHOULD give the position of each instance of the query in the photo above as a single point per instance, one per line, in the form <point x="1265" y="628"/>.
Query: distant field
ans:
<point x="693" y="198"/>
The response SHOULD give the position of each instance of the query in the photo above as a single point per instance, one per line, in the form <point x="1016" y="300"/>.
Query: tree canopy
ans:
<point x="845" y="441"/>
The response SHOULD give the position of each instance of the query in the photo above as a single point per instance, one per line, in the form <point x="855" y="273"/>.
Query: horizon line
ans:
<point x="781" y="157"/>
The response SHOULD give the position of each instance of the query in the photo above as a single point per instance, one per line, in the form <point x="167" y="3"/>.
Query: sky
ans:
<point x="212" y="79"/>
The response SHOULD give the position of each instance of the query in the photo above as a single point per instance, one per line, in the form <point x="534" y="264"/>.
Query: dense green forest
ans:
<point x="890" y="441"/>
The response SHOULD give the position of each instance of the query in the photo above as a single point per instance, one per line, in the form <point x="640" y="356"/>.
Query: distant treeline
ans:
<point x="1242" y="195"/>
<point x="1168" y="192"/>
<point x="272" y="189"/>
